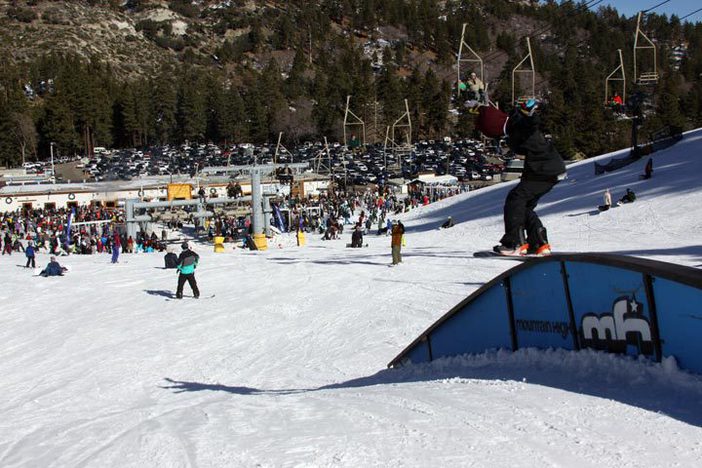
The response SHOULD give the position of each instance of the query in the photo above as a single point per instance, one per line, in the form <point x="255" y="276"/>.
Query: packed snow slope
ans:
<point x="285" y="365"/>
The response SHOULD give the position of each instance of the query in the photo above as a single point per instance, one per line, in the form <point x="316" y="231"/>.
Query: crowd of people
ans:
<point x="93" y="230"/>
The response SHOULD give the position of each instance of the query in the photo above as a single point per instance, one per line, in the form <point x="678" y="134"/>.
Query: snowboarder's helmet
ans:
<point x="184" y="245"/>
<point x="462" y="86"/>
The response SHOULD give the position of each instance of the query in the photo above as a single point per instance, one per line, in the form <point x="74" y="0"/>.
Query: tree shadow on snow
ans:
<point x="655" y="392"/>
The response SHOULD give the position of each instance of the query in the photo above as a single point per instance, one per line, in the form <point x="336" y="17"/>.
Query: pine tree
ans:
<point x="165" y="107"/>
<point x="296" y="84"/>
<point x="192" y="121"/>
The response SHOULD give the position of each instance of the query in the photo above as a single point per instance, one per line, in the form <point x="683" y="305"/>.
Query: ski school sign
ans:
<point x="613" y="303"/>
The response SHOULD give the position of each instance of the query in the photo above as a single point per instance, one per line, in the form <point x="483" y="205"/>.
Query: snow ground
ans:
<point x="286" y="365"/>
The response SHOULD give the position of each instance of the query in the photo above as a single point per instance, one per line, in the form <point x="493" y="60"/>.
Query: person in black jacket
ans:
<point x="171" y="260"/>
<point x="543" y="168"/>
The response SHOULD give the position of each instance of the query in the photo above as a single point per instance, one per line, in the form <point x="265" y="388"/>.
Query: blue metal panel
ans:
<point x="611" y="309"/>
<point x="679" y="310"/>
<point x="420" y="353"/>
<point x="541" y="308"/>
<point x="483" y="324"/>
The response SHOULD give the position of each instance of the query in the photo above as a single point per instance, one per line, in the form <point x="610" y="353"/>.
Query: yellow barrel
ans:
<point x="300" y="238"/>
<point x="260" y="241"/>
<point x="219" y="244"/>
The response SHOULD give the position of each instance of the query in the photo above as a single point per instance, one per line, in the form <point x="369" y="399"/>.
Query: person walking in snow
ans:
<point x="398" y="229"/>
<point x="543" y="168"/>
<point x="187" y="262"/>
<point x="648" y="170"/>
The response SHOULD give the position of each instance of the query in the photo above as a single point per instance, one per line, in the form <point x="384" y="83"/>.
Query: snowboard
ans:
<point x="491" y="254"/>
<point x="349" y="246"/>
<point x="173" y="298"/>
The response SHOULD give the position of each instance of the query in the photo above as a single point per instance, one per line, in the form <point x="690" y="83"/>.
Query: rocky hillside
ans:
<point x="89" y="73"/>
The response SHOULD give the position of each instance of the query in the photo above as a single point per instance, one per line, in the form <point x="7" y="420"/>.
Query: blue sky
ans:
<point x="677" y="7"/>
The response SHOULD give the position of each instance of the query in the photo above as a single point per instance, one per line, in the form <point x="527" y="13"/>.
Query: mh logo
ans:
<point x="625" y="326"/>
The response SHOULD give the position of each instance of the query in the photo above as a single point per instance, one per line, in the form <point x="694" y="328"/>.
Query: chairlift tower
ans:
<point x="322" y="161"/>
<point x="473" y="58"/>
<point x="642" y="44"/>
<point x="618" y="74"/>
<point x="518" y="71"/>
<point x="355" y="121"/>
<point x="400" y="137"/>
<point x="257" y="202"/>
<point x="278" y="149"/>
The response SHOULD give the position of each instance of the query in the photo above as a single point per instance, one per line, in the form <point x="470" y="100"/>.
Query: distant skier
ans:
<point x="357" y="236"/>
<point x="30" y="254"/>
<point x="543" y="168"/>
<point x="116" y="246"/>
<point x="448" y="223"/>
<point x="607" y="201"/>
<point x="398" y="229"/>
<point x="628" y="197"/>
<point x="648" y="170"/>
<point x="187" y="262"/>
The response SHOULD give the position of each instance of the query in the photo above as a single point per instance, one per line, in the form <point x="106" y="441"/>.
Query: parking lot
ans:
<point x="469" y="160"/>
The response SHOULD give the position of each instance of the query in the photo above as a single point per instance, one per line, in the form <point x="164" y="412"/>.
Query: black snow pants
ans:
<point x="191" y="281"/>
<point x="519" y="213"/>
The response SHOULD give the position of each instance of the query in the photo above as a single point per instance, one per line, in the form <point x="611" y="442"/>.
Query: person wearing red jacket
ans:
<point x="116" y="246"/>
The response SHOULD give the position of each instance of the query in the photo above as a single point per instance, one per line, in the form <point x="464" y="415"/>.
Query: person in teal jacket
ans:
<point x="187" y="262"/>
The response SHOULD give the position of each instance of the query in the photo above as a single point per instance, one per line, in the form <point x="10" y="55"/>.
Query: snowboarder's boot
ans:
<point x="541" y="247"/>
<point x="509" y="251"/>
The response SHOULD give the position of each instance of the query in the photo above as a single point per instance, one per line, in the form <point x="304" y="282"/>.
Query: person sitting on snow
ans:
<point x="448" y="223"/>
<point x="53" y="269"/>
<point x="357" y="236"/>
<point x="171" y="260"/>
<point x="629" y="197"/>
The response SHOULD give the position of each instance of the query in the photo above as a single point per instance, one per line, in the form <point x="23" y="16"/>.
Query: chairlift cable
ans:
<point x="654" y="7"/>
<point x="581" y="8"/>
<point x="690" y="14"/>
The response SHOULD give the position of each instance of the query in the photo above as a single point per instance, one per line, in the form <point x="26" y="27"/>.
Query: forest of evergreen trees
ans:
<point x="82" y="103"/>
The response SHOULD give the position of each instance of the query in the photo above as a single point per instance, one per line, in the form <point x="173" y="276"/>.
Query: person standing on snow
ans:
<point x="187" y="262"/>
<point x="543" y="169"/>
<point x="116" y="246"/>
<point x="607" y="201"/>
<point x="398" y="229"/>
<point x="29" y="252"/>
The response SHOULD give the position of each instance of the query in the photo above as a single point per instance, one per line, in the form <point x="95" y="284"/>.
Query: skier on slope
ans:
<point x="187" y="262"/>
<point x="543" y="168"/>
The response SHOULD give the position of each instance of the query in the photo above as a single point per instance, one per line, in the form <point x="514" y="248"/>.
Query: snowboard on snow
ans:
<point x="173" y="297"/>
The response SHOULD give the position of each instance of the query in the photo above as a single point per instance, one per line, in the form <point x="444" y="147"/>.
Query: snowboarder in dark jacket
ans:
<point x="187" y="262"/>
<point x="543" y="168"/>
